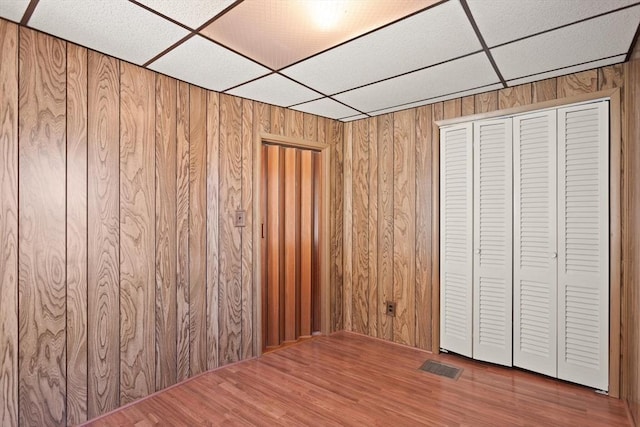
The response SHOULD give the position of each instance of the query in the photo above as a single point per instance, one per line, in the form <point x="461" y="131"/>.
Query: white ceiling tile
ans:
<point x="326" y="107"/>
<point x="203" y="63"/>
<point x="501" y="21"/>
<point x="438" y="99"/>
<point x="435" y="35"/>
<point x="568" y="70"/>
<point x="192" y="14"/>
<point x="275" y="89"/>
<point x="591" y="40"/>
<point x="13" y="9"/>
<point x="455" y="76"/>
<point x="117" y="27"/>
<point x="353" y="118"/>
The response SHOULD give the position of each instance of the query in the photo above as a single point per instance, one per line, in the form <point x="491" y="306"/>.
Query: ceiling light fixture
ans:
<point x="327" y="13"/>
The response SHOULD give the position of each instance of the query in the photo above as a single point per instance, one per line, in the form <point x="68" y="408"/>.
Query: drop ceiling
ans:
<point x="346" y="59"/>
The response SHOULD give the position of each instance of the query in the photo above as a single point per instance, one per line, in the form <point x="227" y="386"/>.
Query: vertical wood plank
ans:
<point x="486" y="102"/>
<point x="577" y="83"/>
<point x="182" y="232"/>
<point x="247" y="350"/>
<point x="166" y="289"/>
<point x="291" y="243"/>
<point x="213" y="237"/>
<point x="423" y="224"/>
<point x="404" y="227"/>
<point x="294" y="123"/>
<point x="374" y="310"/>
<point x="137" y="233"/>
<point x="437" y="112"/>
<point x="230" y="299"/>
<point x="337" y="194"/>
<point x="310" y="124"/>
<point x="347" y="277"/>
<point x="103" y="240"/>
<point x="468" y="105"/>
<point x="360" y="248"/>
<point x="41" y="229"/>
<point x="76" y="234"/>
<point x="385" y="223"/>
<point x="453" y="108"/>
<point x="197" y="230"/>
<point x="278" y="120"/>
<point x="264" y="114"/>
<point x="544" y="90"/>
<point x="273" y="246"/>
<point x="9" y="224"/>
<point x="514" y="96"/>
<point x="316" y="264"/>
<point x="306" y="239"/>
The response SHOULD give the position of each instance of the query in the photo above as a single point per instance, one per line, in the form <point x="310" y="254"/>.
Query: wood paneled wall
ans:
<point x="121" y="271"/>
<point x="391" y="177"/>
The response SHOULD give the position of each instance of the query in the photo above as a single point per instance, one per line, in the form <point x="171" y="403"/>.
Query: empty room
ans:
<point x="319" y="212"/>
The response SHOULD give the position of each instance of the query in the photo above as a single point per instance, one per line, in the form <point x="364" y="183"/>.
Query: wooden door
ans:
<point x="290" y="244"/>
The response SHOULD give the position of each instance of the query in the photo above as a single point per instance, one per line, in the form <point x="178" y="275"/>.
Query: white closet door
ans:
<point x="583" y="243"/>
<point x="456" y="234"/>
<point x="492" y="225"/>
<point x="535" y="242"/>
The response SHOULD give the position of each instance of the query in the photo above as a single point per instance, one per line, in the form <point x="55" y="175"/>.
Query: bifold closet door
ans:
<point x="456" y="238"/>
<point x="290" y="243"/>
<point x="583" y="244"/>
<point x="535" y="242"/>
<point x="492" y="230"/>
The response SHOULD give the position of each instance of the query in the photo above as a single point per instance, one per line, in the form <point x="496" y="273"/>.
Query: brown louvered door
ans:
<point x="290" y="244"/>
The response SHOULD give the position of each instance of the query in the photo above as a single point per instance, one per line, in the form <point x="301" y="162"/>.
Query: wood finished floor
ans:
<point x="349" y="379"/>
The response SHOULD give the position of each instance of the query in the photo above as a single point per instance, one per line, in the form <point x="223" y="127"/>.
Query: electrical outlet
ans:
<point x="391" y="308"/>
<point x="239" y="219"/>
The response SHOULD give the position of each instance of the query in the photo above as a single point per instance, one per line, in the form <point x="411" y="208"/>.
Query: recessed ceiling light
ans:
<point x="327" y="14"/>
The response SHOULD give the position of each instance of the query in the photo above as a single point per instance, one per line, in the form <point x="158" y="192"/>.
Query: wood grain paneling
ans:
<point x="165" y="211"/>
<point x="41" y="229"/>
<point x="486" y="102"/>
<point x="248" y="291"/>
<point x="294" y="123"/>
<point x="9" y="224"/>
<point x="213" y="211"/>
<point x="230" y="237"/>
<point x="103" y="239"/>
<point x="424" y="130"/>
<point x="544" y="90"/>
<point x="514" y="96"/>
<point x="277" y="120"/>
<point x="337" y="218"/>
<point x="404" y="226"/>
<point x="452" y="108"/>
<point x="360" y="247"/>
<point x="291" y="243"/>
<point x="306" y="240"/>
<point x="468" y="105"/>
<point x="137" y="233"/>
<point x="574" y="84"/>
<point x="76" y="234"/>
<point x="385" y="223"/>
<point x="182" y="232"/>
<point x="347" y="275"/>
<point x="374" y="308"/>
<point x="311" y="128"/>
<point x="197" y="229"/>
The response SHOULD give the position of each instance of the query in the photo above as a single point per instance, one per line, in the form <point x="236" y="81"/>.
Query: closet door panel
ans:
<point x="492" y="230"/>
<point x="583" y="244"/>
<point x="456" y="238"/>
<point x="535" y="236"/>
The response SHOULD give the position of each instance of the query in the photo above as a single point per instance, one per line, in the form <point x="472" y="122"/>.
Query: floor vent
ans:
<point x="441" y="369"/>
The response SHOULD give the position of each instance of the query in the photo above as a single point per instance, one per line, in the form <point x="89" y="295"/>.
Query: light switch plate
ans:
<point x="239" y="220"/>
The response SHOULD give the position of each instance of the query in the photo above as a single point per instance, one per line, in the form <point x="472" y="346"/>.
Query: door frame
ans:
<point x="615" y="215"/>
<point x="325" y="153"/>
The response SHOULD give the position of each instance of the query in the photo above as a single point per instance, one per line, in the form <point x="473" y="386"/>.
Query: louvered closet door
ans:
<point x="583" y="243"/>
<point x="492" y="221"/>
<point x="535" y="242"/>
<point x="456" y="238"/>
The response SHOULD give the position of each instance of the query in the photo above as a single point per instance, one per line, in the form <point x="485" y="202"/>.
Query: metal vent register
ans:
<point x="441" y="369"/>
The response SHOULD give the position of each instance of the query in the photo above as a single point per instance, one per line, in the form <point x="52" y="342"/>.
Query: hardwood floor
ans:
<point x="349" y="379"/>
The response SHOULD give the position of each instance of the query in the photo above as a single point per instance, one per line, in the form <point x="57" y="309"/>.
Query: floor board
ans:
<point x="349" y="379"/>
